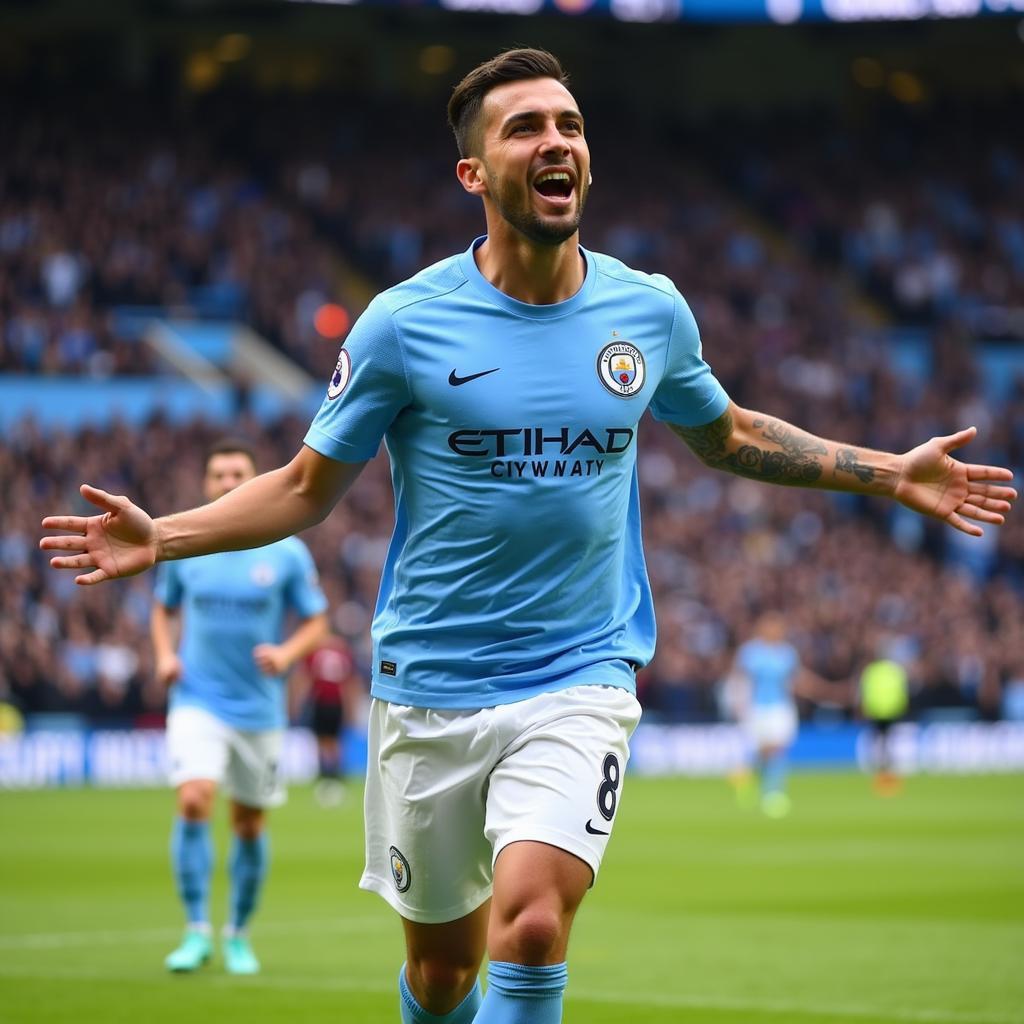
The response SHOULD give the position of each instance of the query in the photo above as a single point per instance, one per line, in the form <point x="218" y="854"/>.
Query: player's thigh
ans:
<point x="198" y="746"/>
<point x="560" y="778"/>
<point x="537" y="890"/>
<point x="253" y="777"/>
<point x="426" y="853"/>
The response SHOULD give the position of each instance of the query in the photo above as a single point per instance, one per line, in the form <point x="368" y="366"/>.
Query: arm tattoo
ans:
<point x="707" y="442"/>
<point x="791" y="460"/>
<point x="846" y="462"/>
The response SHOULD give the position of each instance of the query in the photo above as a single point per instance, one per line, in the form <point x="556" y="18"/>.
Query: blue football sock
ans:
<point x="523" y="995"/>
<point x="773" y="776"/>
<point x="413" y="1013"/>
<point x="248" y="866"/>
<point x="192" y="863"/>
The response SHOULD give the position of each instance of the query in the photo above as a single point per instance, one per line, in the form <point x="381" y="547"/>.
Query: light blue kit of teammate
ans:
<point x="225" y="715"/>
<point x="771" y="668"/>
<point x="515" y="569"/>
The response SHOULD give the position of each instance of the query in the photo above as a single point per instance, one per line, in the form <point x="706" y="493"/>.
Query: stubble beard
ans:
<point x="518" y="211"/>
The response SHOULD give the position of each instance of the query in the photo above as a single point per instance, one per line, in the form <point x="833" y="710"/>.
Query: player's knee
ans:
<point x="247" y="823"/>
<point x="534" y="933"/>
<point x="441" y="981"/>
<point x="248" y="830"/>
<point x="194" y="803"/>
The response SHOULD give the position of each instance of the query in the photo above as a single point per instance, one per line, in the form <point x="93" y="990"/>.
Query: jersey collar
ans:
<point x="526" y="309"/>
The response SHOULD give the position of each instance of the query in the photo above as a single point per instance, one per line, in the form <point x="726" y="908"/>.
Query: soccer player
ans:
<point x="227" y="706"/>
<point x="765" y="677"/>
<point x="334" y="686"/>
<point x="509" y="381"/>
<point x="884" y="692"/>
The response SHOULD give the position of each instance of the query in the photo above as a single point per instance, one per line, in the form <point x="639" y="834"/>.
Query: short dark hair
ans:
<point x="510" y="66"/>
<point x="230" y="446"/>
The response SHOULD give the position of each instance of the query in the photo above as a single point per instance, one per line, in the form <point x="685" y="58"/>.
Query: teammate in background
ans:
<point x="884" y="696"/>
<point x="765" y="678"/>
<point x="329" y="677"/>
<point x="227" y="706"/>
<point x="515" y="608"/>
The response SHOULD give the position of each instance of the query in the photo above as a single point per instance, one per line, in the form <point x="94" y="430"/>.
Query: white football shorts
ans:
<point x="447" y="790"/>
<point x="772" y="726"/>
<point x="246" y="764"/>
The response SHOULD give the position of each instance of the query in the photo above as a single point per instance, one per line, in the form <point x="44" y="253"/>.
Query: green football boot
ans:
<point x="238" y="955"/>
<point x="194" y="951"/>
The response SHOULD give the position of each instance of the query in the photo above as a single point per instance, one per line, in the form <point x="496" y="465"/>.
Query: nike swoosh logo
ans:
<point x="594" y="831"/>
<point x="455" y="380"/>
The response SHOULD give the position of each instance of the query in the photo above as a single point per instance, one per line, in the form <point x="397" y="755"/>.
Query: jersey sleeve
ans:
<point x="689" y="394"/>
<point x="303" y="593"/>
<point x="366" y="392"/>
<point x="168" y="589"/>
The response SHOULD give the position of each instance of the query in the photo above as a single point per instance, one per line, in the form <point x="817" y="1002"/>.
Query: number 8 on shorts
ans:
<point x="608" y="791"/>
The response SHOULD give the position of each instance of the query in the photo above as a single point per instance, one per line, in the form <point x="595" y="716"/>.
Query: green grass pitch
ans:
<point x="854" y="910"/>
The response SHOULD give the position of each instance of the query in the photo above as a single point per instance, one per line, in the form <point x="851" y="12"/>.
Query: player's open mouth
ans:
<point x="556" y="185"/>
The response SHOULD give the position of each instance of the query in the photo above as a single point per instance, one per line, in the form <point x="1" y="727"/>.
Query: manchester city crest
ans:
<point x="621" y="368"/>
<point x="400" y="869"/>
<point x="342" y="375"/>
<point x="262" y="574"/>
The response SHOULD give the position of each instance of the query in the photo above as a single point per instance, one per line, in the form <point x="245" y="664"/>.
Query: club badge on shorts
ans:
<point x="620" y="365"/>
<point x="342" y="375"/>
<point x="400" y="869"/>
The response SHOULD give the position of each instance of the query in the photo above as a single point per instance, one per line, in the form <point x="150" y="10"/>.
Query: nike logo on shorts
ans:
<point x="455" y="380"/>
<point x="594" y="831"/>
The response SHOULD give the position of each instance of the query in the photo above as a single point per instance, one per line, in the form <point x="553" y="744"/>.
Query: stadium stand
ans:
<point x="802" y="315"/>
<point x="112" y="202"/>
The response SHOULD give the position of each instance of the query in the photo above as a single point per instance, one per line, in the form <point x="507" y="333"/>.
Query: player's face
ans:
<point x="773" y="628"/>
<point x="224" y="472"/>
<point x="536" y="163"/>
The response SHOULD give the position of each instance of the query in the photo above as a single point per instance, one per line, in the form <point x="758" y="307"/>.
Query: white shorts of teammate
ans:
<point x="246" y="764"/>
<point x="774" y="725"/>
<point x="446" y="791"/>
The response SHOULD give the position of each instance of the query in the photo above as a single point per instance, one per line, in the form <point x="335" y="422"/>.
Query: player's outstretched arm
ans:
<point x="926" y="479"/>
<point x="122" y="540"/>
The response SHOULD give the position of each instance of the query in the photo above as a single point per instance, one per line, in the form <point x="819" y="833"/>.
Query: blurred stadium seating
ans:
<point x="856" y="264"/>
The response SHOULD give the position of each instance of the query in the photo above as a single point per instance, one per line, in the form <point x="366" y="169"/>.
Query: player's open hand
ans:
<point x="121" y="541"/>
<point x="933" y="483"/>
<point x="271" y="659"/>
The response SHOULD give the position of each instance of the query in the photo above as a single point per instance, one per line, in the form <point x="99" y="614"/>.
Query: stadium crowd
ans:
<point x="785" y="328"/>
<point x="720" y="551"/>
<point x="925" y="212"/>
<point x="105" y="203"/>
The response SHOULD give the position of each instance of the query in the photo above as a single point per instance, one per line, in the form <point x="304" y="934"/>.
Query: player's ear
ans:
<point x="470" y="172"/>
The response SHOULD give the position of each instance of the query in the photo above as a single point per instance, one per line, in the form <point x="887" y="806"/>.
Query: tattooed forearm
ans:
<point x="846" y="462"/>
<point x="793" y="463"/>
<point x="790" y="458"/>
<point x="756" y="446"/>
<point x="708" y="442"/>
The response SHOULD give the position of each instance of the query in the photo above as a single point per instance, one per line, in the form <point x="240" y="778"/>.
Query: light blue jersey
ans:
<point x="771" y="669"/>
<point x="515" y="566"/>
<point x="231" y="602"/>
